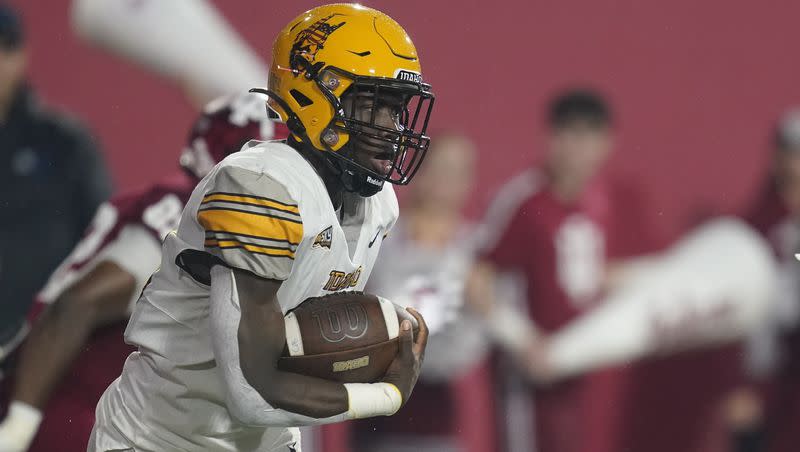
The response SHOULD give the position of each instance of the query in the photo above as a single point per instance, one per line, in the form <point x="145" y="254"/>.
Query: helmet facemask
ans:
<point x="402" y="145"/>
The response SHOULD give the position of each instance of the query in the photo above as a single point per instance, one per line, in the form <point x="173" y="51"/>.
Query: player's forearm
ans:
<point x="248" y="343"/>
<point x="58" y="337"/>
<point x="257" y="394"/>
<point x="307" y="396"/>
<point x="479" y="289"/>
<point x="297" y="400"/>
<point x="52" y="345"/>
<point x="507" y="326"/>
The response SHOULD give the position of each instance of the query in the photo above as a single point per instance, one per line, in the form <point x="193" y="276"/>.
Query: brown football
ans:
<point x="350" y="337"/>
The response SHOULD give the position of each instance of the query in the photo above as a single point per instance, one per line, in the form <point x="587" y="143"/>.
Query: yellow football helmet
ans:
<point x="336" y="49"/>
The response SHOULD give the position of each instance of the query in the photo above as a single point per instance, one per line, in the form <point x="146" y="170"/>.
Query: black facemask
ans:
<point x="408" y="140"/>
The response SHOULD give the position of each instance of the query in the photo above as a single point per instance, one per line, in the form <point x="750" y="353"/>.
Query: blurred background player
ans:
<point x="551" y="226"/>
<point x="426" y="257"/>
<point x="75" y="348"/>
<point x="763" y="413"/>
<point x="713" y="287"/>
<point x="424" y="264"/>
<point x="52" y="178"/>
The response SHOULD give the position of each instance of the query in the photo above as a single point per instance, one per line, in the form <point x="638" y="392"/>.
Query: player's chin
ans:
<point x="376" y="158"/>
<point x="379" y="166"/>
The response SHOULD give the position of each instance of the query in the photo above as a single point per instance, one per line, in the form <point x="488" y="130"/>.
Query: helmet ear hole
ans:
<point x="301" y="98"/>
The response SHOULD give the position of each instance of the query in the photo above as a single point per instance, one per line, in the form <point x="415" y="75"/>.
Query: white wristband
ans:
<point x="372" y="399"/>
<point x="20" y="425"/>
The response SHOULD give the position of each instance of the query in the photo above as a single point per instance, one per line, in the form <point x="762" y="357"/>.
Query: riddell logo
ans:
<point x="373" y="181"/>
<point x="408" y="76"/>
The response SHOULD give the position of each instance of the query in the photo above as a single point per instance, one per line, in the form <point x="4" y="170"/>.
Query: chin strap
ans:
<point x="353" y="179"/>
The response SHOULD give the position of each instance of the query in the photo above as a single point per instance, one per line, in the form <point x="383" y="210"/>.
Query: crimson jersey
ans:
<point x="131" y="225"/>
<point x="560" y="251"/>
<point x="559" y="248"/>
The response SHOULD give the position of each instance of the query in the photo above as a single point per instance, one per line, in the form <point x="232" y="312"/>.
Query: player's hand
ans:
<point x="404" y="371"/>
<point x="534" y="361"/>
<point x="19" y="427"/>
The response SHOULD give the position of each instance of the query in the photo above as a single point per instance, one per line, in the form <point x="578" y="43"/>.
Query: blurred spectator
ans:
<point x="423" y="264"/>
<point x="426" y="257"/>
<point x="53" y="178"/>
<point x="550" y="225"/>
<point x="764" y="414"/>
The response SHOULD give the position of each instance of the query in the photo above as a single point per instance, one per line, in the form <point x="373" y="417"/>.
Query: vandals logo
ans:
<point x="324" y="238"/>
<point x="309" y="42"/>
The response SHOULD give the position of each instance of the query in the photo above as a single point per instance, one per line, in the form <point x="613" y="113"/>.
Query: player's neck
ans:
<point x="567" y="191"/>
<point x="315" y="158"/>
<point x="435" y="211"/>
<point x="565" y="187"/>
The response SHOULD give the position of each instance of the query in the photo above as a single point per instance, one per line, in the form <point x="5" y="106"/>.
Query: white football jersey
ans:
<point x="264" y="210"/>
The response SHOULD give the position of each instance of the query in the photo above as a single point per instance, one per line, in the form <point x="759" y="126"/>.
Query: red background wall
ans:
<point x="696" y="85"/>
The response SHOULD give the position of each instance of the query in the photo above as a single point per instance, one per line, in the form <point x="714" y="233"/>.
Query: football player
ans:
<point x="75" y="349"/>
<point x="267" y="229"/>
